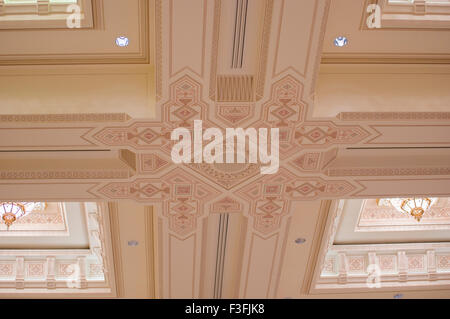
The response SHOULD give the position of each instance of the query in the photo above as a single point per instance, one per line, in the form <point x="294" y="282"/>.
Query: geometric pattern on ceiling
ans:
<point x="184" y="195"/>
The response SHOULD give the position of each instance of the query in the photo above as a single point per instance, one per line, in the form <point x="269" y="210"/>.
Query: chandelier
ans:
<point x="414" y="206"/>
<point x="12" y="211"/>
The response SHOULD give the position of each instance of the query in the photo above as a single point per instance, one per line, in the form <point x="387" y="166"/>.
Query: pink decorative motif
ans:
<point x="356" y="263"/>
<point x="291" y="187"/>
<point x="316" y="187"/>
<point x="226" y="175"/>
<point x="185" y="104"/>
<point x="268" y="213"/>
<point x="64" y="174"/>
<point x="139" y="135"/>
<point x="387" y="263"/>
<point x="285" y="107"/>
<point x="183" y="214"/>
<point x="140" y="190"/>
<point x="183" y="196"/>
<point x="226" y="205"/>
<point x="443" y="262"/>
<point x="95" y="270"/>
<point x="270" y="195"/>
<point x="41" y="218"/>
<point x="416" y="262"/>
<point x="65" y="269"/>
<point x="233" y="115"/>
<point x="74" y="117"/>
<point x="6" y="270"/>
<point x="308" y="162"/>
<point x="35" y="269"/>
<point x="326" y="133"/>
<point x="393" y="116"/>
<point x="329" y="265"/>
<point x="152" y="163"/>
<point x="187" y="200"/>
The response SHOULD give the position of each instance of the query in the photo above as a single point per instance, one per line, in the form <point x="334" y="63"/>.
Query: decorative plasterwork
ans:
<point x="369" y="266"/>
<point x="65" y="174"/>
<point x="51" y="221"/>
<point x="375" y="218"/>
<point x="406" y="14"/>
<point x="68" y="271"/>
<point x="399" y="22"/>
<point x="394" y="116"/>
<point x="185" y="195"/>
<point x="45" y="14"/>
<point x="254" y="84"/>
<point x="152" y="163"/>
<point x="390" y="268"/>
<point x="93" y="54"/>
<point x="54" y="165"/>
<point x="65" y="118"/>
<point x="270" y="196"/>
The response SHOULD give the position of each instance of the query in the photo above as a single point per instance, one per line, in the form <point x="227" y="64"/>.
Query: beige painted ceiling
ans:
<point x="379" y="45"/>
<point x="113" y="18"/>
<point x="177" y="44"/>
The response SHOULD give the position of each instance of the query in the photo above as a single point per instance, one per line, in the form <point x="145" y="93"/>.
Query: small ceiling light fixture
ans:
<point x="414" y="206"/>
<point x="341" y="41"/>
<point x="133" y="243"/>
<point x="300" y="240"/>
<point x="398" y="296"/>
<point x="122" y="41"/>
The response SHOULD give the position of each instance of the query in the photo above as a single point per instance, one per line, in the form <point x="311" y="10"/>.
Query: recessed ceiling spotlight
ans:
<point x="341" y="41"/>
<point x="300" y="240"/>
<point x="133" y="243"/>
<point x="122" y="41"/>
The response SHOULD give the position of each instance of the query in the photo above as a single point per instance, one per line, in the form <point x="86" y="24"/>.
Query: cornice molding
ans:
<point x="63" y="271"/>
<point x="143" y="56"/>
<point x="65" y="118"/>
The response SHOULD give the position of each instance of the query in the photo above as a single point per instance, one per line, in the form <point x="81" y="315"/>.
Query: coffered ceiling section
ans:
<point x="46" y="219"/>
<point x="55" y="37"/>
<point x="410" y="31"/>
<point x="77" y="261"/>
<point x="367" y="245"/>
<point x="24" y="14"/>
<point x="375" y="218"/>
<point x="366" y="222"/>
<point x="52" y="225"/>
<point x="411" y="14"/>
<point x="201" y="74"/>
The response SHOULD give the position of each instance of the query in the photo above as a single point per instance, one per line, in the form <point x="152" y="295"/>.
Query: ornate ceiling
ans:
<point x="193" y="62"/>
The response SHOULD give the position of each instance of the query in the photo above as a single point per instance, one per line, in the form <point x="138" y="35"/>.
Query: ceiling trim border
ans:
<point x="403" y="277"/>
<point x="51" y="274"/>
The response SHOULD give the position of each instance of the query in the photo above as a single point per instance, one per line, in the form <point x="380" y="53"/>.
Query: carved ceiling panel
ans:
<point x="189" y="86"/>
